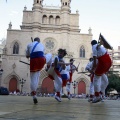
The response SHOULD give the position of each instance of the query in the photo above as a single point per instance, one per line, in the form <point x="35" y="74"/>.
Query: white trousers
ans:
<point x="57" y="82"/>
<point x="100" y="83"/>
<point x="68" y="87"/>
<point x="91" y="90"/>
<point x="34" y="80"/>
<point x="104" y="83"/>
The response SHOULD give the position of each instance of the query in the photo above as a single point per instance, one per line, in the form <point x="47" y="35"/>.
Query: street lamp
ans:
<point x="74" y="83"/>
<point x="22" y="82"/>
<point x="1" y="72"/>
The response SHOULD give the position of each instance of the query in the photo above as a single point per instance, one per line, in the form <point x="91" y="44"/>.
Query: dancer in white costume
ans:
<point x="73" y="68"/>
<point x="35" y="51"/>
<point x="54" y="72"/>
<point x="89" y="68"/>
<point x="65" y="77"/>
<point x="103" y="82"/>
<point x="100" y="68"/>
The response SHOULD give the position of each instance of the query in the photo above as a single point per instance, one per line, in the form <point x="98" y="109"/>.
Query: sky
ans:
<point x="102" y="16"/>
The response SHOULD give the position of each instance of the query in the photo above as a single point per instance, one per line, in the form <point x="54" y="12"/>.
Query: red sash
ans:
<point x="36" y="64"/>
<point x="58" y="73"/>
<point x="70" y="80"/>
<point x="104" y="64"/>
<point x="64" y="83"/>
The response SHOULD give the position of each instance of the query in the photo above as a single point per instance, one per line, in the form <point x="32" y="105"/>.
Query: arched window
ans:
<point x="16" y="48"/>
<point x="57" y="20"/>
<point x="51" y="19"/>
<point x="82" y="52"/>
<point x="44" y="19"/>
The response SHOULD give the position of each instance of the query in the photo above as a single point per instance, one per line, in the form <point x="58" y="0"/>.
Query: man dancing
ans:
<point x="73" y="68"/>
<point x="89" y="68"/>
<point x="58" y="64"/>
<point x="65" y="77"/>
<point x="100" y="68"/>
<point x="35" y="51"/>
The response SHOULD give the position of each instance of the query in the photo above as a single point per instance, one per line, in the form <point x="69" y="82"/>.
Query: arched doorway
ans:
<point x="81" y="87"/>
<point x="13" y="85"/>
<point x="47" y="86"/>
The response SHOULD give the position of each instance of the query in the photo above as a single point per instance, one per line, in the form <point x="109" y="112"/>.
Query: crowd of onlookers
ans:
<point x="39" y="94"/>
<point x="80" y="96"/>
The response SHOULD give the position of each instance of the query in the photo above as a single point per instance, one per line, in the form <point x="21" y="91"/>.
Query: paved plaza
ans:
<point x="22" y="108"/>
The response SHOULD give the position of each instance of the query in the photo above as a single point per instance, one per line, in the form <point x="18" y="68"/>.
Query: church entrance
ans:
<point x="47" y="86"/>
<point x="81" y="87"/>
<point x="12" y="85"/>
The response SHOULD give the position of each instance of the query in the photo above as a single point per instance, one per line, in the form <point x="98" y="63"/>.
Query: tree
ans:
<point x="114" y="83"/>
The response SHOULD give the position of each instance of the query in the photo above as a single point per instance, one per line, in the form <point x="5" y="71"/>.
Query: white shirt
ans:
<point x="73" y="67"/>
<point x="98" y="52"/>
<point x="39" y="47"/>
<point x="58" y="66"/>
<point x="89" y="66"/>
<point x="57" y="58"/>
<point x="66" y="71"/>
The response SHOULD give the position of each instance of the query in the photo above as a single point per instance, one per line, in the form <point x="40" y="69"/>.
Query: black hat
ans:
<point x="93" y="42"/>
<point x="71" y="59"/>
<point x="91" y="59"/>
<point x="37" y="39"/>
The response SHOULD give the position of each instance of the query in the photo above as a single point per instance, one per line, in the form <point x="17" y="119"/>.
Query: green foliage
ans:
<point x="114" y="83"/>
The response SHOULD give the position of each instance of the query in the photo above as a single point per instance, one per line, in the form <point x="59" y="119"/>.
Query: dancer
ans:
<point x="100" y="68"/>
<point x="35" y="51"/>
<point x="89" y="68"/>
<point x="73" y="68"/>
<point x="103" y="82"/>
<point x="57" y="65"/>
<point x="65" y="77"/>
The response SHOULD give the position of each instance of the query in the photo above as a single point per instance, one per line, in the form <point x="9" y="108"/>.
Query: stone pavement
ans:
<point x="22" y="108"/>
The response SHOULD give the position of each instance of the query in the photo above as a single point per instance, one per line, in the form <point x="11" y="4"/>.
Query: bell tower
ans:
<point x="65" y="22"/>
<point x="37" y="4"/>
<point x="65" y="4"/>
<point x="37" y="16"/>
<point x="65" y="12"/>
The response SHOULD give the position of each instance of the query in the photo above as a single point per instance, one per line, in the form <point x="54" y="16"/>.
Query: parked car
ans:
<point x="4" y="91"/>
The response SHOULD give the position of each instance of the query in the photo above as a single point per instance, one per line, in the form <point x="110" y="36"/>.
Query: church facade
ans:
<point x="57" y="28"/>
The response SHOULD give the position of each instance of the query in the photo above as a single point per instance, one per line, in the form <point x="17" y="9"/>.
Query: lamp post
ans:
<point x="22" y="82"/>
<point x="74" y="83"/>
<point x="1" y="72"/>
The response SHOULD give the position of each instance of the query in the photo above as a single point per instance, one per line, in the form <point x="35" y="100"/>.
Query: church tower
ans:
<point x="65" y="21"/>
<point x="37" y="4"/>
<point x="65" y="4"/>
<point x="37" y="16"/>
<point x="65" y="12"/>
<point x="37" y="11"/>
<point x="32" y="20"/>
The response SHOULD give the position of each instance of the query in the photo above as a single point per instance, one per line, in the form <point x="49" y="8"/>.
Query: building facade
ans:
<point x="57" y="28"/>
<point x="115" y="56"/>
